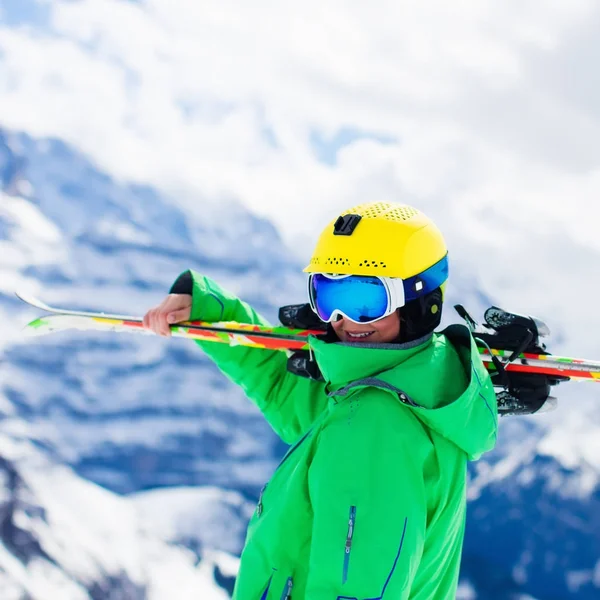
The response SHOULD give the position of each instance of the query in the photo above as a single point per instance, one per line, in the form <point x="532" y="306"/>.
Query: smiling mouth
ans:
<point x="359" y="336"/>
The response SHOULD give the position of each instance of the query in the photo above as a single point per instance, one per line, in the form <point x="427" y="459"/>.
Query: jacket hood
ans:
<point x="441" y="379"/>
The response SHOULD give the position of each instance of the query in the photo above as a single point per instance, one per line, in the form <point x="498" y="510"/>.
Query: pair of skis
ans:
<point x="508" y="359"/>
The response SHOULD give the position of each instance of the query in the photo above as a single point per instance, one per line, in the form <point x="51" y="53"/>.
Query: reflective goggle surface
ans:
<point x="360" y="298"/>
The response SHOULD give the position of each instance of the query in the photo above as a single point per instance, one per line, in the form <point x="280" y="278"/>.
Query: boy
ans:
<point x="370" y="501"/>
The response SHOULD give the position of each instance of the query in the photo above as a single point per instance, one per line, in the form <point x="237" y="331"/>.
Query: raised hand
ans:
<point x="175" y="308"/>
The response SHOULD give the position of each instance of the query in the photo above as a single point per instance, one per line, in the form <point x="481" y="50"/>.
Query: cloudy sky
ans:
<point x="485" y="114"/>
<point x="299" y="109"/>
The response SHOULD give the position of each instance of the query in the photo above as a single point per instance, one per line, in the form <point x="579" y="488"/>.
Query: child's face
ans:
<point x="383" y="331"/>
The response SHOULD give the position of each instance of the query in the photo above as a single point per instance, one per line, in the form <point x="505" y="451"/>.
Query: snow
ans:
<point x="488" y="473"/>
<point x="577" y="578"/>
<point x="215" y="518"/>
<point x="228" y="565"/>
<point x="86" y="536"/>
<point x="465" y="591"/>
<point x="31" y="222"/>
<point x="123" y="232"/>
<point x="573" y="450"/>
<point x="34" y="238"/>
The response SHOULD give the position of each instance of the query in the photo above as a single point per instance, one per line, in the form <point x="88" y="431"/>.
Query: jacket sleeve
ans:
<point x="367" y="491"/>
<point x="289" y="403"/>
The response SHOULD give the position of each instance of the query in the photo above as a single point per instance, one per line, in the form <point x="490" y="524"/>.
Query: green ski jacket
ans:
<point x="369" y="502"/>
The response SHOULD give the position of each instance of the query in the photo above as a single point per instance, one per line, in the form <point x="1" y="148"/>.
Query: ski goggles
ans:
<point x="369" y="298"/>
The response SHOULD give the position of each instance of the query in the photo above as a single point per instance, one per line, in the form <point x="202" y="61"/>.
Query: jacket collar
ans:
<point x="342" y="363"/>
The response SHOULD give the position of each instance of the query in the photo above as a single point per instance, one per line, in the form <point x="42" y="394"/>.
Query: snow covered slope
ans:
<point x="63" y="538"/>
<point x="208" y="520"/>
<point x="205" y="517"/>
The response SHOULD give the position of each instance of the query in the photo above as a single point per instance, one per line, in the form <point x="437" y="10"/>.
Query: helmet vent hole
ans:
<point x="384" y="210"/>
<point x="402" y="213"/>
<point x="344" y="262"/>
<point x="373" y="263"/>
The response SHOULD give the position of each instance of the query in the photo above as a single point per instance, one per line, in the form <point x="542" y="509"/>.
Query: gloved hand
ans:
<point x="527" y="394"/>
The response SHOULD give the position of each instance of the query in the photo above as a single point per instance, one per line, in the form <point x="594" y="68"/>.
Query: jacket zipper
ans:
<point x="259" y="507"/>
<point x="348" y="547"/>
<point x="287" y="590"/>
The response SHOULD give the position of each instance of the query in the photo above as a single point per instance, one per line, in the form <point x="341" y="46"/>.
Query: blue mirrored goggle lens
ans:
<point x="361" y="298"/>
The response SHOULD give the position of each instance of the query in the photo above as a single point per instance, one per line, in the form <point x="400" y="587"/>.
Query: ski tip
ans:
<point x="31" y="300"/>
<point x="36" y="328"/>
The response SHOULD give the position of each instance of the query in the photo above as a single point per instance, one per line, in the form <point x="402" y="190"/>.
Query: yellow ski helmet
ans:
<point x="387" y="239"/>
<point x="378" y="238"/>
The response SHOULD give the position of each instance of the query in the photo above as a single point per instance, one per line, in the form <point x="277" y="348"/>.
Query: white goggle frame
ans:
<point x="394" y="287"/>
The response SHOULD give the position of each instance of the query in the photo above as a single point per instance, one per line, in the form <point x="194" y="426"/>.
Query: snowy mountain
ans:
<point x="152" y="418"/>
<point x="203" y="519"/>
<point x="62" y="537"/>
<point x="206" y="517"/>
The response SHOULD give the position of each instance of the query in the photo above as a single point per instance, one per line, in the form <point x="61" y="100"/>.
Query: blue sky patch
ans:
<point x="326" y="149"/>
<point x="24" y="12"/>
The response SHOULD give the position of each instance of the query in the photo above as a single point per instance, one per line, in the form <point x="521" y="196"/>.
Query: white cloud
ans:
<point x="180" y="93"/>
